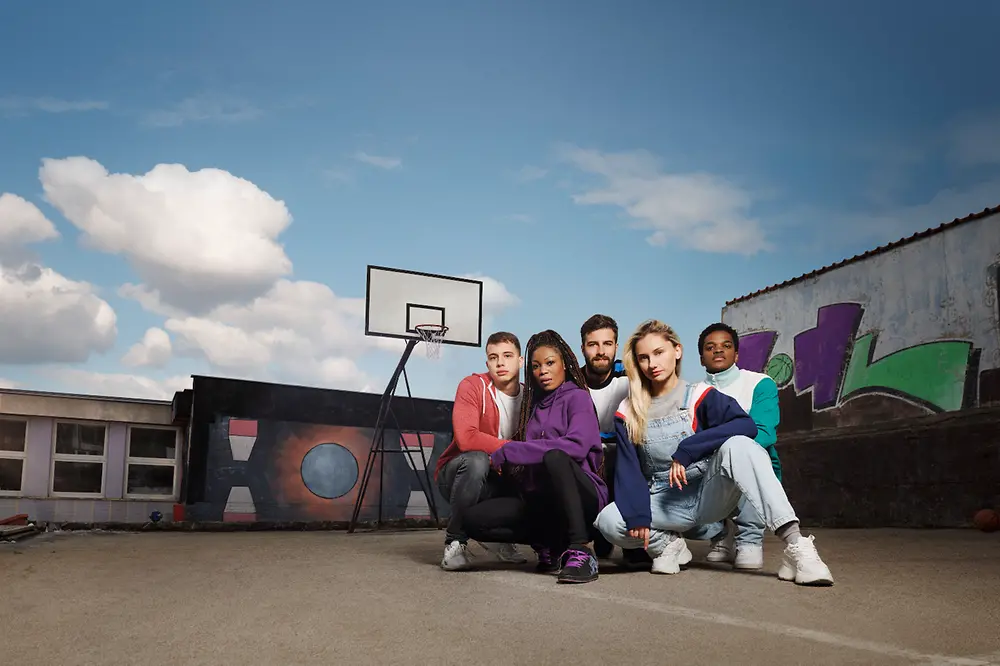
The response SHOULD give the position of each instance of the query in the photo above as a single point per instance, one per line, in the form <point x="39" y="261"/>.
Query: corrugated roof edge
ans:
<point x="986" y="212"/>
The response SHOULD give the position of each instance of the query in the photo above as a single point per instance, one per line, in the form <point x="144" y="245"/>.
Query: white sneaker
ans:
<point x="749" y="557"/>
<point x="722" y="550"/>
<point x="801" y="563"/>
<point x="505" y="552"/>
<point x="673" y="556"/>
<point x="456" y="557"/>
<point x="685" y="556"/>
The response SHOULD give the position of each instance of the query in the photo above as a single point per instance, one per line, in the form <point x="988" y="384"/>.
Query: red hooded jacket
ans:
<point x="475" y="419"/>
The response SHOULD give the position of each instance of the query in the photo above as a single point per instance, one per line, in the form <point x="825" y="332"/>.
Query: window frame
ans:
<point x="174" y="462"/>
<point x="21" y="455"/>
<point x="72" y="457"/>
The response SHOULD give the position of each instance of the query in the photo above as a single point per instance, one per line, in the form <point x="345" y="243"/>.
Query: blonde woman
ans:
<point x="686" y="456"/>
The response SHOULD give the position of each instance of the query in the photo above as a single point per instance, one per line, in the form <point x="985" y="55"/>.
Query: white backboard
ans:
<point x="396" y="300"/>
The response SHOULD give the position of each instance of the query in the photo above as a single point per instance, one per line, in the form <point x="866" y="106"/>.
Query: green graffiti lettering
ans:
<point x="933" y="373"/>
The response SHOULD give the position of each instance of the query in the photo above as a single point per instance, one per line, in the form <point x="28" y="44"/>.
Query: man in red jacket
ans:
<point x="484" y="417"/>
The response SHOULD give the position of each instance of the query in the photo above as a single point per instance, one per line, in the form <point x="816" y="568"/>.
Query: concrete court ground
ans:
<point x="263" y="598"/>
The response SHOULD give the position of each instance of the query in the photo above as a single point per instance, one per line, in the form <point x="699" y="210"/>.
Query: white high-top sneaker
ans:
<point x="505" y="552"/>
<point x="749" y="557"/>
<point x="673" y="556"/>
<point x="456" y="557"/>
<point x="801" y="563"/>
<point x="723" y="550"/>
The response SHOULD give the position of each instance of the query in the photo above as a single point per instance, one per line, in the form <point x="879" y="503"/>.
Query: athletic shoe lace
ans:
<point x="577" y="558"/>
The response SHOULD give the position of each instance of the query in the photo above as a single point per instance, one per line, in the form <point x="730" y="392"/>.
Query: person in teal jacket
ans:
<point x="757" y="394"/>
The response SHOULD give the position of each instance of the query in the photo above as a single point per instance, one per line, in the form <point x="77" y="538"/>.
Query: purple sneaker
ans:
<point x="546" y="563"/>
<point x="581" y="566"/>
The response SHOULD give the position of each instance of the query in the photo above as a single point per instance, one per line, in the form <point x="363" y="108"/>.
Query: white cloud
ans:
<point x="974" y="140"/>
<point x="152" y="351"/>
<point x="21" y="222"/>
<point x="209" y="107"/>
<point x="197" y="238"/>
<point x="496" y="296"/>
<point x="119" y="385"/>
<point x="700" y="211"/>
<point x="298" y="331"/>
<point x="48" y="317"/>
<point x="15" y="105"/>
<point x="378" y="161"/>
<point x="529" y="172"/>
<point x="338" y="176"/>
<point x="7" y="383"/>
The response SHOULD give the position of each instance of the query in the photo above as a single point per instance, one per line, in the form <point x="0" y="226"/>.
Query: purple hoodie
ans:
<point x="563" y="419"/>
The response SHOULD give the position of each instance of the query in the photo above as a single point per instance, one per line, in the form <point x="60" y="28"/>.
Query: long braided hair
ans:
<point x="547" y="338"/>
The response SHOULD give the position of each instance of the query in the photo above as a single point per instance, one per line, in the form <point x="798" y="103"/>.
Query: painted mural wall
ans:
<point x="912" y="331"/>
<point x="283" y="471"/>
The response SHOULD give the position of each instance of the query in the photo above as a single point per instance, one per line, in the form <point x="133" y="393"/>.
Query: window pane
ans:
<point x="80" y="439"/>
<point x="77" y="477"/>
<point x="12" y="434"/>
<point x="150" y="480"/>
<point x="10" y="474"/>
<point x="152" y="443"/>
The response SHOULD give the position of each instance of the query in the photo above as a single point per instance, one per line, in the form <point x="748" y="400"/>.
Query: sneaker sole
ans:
<point x="754" y="566"/>
<point x="822" y="581"/>
<point x="458" y="567"/>
<point x="576" y="580"/>
<point x="715" y="557"/>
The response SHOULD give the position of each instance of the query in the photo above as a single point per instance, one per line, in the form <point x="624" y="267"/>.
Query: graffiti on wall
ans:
<point x="281" y="471"/>
<point x="903" y="332"/>
<point x="833" y="364"/>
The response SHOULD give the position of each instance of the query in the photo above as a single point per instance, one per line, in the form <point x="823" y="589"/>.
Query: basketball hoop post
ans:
<point x="417" y="307"/>
<point x="378" y="447"/>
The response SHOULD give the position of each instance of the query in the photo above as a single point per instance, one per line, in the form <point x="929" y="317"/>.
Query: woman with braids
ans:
<point x="553" y="464"/>
<point x="685" y="458"/>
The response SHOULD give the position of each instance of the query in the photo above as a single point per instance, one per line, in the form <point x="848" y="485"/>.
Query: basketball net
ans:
<point x="432" y="336"/>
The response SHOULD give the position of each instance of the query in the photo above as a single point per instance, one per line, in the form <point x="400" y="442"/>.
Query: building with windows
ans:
<point x="87" y="459"/>
<point x="223" y="451"/>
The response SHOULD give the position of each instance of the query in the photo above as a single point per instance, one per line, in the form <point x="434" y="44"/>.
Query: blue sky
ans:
<point x="644" y="159"/>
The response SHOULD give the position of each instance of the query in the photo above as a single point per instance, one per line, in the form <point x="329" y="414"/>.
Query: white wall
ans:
<point x="937" y="288"/>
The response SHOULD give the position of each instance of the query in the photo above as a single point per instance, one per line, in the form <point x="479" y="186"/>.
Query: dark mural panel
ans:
<point x="274" y="453"/>
<point x="303" y="472"/>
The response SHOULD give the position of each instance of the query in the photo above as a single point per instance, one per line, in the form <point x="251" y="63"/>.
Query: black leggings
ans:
<point x="558" y="514"/>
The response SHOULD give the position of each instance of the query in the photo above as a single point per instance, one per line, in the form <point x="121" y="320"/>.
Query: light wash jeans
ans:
<point x="740" y="468"/>
<point x="749" y="525"/>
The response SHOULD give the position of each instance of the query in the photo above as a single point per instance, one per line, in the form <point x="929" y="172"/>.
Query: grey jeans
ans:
<point x="464" y="481"/>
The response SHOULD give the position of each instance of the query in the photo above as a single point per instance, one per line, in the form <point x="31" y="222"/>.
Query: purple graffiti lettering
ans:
<point x="755" y="348"/>
<point x="820" y="352"/>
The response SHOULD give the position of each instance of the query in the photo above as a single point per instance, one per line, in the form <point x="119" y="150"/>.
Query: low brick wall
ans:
<point x="933" y="471"/>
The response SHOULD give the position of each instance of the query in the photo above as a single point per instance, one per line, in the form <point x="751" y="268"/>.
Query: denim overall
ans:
<point x="674" y="506"/>
<point x="714" y="485"/>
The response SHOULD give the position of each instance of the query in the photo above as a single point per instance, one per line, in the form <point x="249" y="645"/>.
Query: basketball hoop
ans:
<point x="432" y="335"/>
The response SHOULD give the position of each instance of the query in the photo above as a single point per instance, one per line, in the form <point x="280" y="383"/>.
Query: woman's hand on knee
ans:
<point x="640" y="533"/>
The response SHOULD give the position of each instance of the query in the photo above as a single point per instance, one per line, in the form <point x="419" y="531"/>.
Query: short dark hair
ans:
<point x="596" y="323"/>
<point x="715" y="328"/>
<point x="504" y="336"/>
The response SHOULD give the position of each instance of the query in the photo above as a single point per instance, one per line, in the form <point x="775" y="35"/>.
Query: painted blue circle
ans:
<point x="329" y="470"/>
